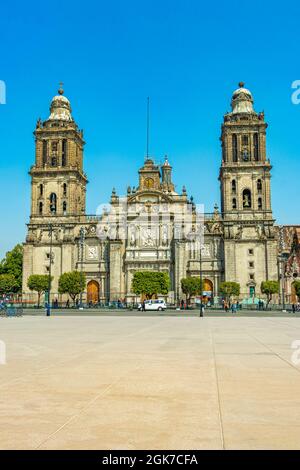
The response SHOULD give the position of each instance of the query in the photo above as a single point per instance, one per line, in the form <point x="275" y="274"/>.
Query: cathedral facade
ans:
<point x="152" y="227"/>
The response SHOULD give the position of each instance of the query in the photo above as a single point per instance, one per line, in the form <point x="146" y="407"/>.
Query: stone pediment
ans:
<point x="149" y="196"/>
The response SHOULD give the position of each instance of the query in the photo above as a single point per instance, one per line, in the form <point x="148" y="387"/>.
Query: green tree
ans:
<point x="150" y="283"/>
<point x="38" y="283"/>
<point x="12" y="264"/>
<point x="229" y="289"/>
<point x="72" y="283"/>
<point x="8" y="284"/>
<point x="296" y="285"/>
<point x="191" y="286"/>
<point x="269" y="288"/>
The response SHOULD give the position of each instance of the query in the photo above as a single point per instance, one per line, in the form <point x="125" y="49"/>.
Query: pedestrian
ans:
<point x="67" y="303"/>
<point x="294" y="308"/>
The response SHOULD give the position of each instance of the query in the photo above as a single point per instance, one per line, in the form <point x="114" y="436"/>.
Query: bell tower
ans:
<point x="245" y="169"/>
<point x="58" y="183"/>
<point x="166" y="174"/>
<point x="249" y="236"/>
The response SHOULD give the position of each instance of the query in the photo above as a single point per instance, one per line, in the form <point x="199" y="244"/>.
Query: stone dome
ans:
<point x="242" y="100"/>
<point x="60" y="108"/>
<point x="166" y="162"/>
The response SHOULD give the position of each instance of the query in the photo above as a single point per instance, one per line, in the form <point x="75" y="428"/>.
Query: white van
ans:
<point x="155" y="304"/>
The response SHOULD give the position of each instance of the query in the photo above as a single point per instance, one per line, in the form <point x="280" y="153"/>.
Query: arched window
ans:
<point x="247" y="199"/>
<point x="234" y="203"/>
<point x="259" y="203"/>
<point x="40" y="208"/>
<point x="223" y="152"/>
<point x="64" y="208"/>
<point x="234" y="148"/>
<point x="54" y="146"/>
<point x="45" y="152"/>
<point x="41" y="189"/>
<point x="53" y="203"/>
<point x="64" y="153"/>
<point x="64" y="189"/>
<point x="259" y="186"/>
<point x="233" y="186"/>
<point x="245" y="139"/>
<point x="256" y="146"/>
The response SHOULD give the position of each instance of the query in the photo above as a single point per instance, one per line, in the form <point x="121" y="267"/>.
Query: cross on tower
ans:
<point x="61" y="90"/>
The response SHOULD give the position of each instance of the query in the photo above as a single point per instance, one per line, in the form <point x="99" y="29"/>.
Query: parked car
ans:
<point x="155" y="304"/>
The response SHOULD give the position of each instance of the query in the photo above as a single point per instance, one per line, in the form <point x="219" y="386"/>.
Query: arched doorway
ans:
<point x="294" y="299"/>
<point x="208" y="290"/>
<point x="93" y="292"/>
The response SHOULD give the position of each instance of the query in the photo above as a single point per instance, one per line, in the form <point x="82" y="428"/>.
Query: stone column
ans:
<point x="180" y="266"/>
<point x="239" y="205"/>
<point x="267" y="191"/>
<point x="116" y="270"/>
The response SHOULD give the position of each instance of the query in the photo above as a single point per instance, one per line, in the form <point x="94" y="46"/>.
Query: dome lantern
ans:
<point x="242" y="100"/>
<point x="60" y="108"/>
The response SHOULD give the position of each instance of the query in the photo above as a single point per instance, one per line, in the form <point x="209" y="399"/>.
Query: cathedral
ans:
<point x="152" y="227"/>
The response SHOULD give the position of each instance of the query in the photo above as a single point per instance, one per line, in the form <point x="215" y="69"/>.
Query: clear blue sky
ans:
<point x="188" y="56"/>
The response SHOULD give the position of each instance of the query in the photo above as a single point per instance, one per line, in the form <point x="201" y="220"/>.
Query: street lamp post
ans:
<point x="82" y="235"/>
<point x="48" y="311"/>
<point x="281" y="262"/>
<point x="283" y="282"/>
<point x="201" y="287"/>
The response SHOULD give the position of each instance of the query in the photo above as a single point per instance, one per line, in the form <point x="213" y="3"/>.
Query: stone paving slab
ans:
<point x="110" y="382"/>
<point x="170" y="312"/>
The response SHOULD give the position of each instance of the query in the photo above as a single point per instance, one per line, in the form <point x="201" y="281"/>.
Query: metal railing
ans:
<point x="11" y="311"/>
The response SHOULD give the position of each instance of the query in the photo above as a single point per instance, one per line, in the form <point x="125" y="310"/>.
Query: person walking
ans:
<point x="294" y="308"/>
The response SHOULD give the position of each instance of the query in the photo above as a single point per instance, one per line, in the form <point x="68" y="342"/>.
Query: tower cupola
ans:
<point x="242" y="101"/>
<point x="60" y="108"/>
<point x="166" y="171"/>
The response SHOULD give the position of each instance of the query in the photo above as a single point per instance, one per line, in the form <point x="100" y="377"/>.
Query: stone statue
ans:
<point x="246" y="200"/>
<point x="165" y="235"/>
<point x="147" y="238"/>
<point x="245" y="155"/>
<point x="239" y="232"/>
<point x="132" y="237"/>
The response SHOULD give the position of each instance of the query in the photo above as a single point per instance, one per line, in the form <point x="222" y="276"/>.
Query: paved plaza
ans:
<point x="159" y="382"/>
